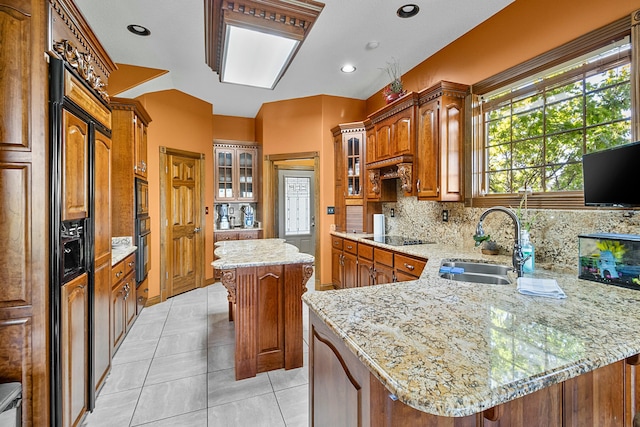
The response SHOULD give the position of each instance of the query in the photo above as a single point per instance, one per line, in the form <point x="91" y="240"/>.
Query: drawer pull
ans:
<point x="409" y="266"/>
<point x="349" y="247"/>
<point x="118" y="274"/>
<point x="131" y="264"/>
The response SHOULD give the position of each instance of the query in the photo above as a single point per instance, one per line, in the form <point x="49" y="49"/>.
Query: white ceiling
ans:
<point x="340" y="35"/>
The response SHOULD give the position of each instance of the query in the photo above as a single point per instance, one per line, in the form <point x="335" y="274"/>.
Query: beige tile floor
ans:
<point x="176" y="368"/>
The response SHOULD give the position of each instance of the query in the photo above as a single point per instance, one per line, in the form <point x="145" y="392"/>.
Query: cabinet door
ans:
<point x="353" y="155"/>
<point x="102" y="259"/>
<point x="427" y="154"/>
<point x="129" y="300"/>
<point x="75" y="349"/>
<point x="383" y="274"/>
<point x="383" y="140"/>
<point x="224" y="175"/>
<point x="140" y="147"/>
<point x="365" y="272"/>
<point x="117" y="310"/>
<point x="75" y="144"/>
<point x="451" y="149"/>
<point x="336" y="268"/>
<point x="247" y="185"/>
<point x="402" y="133"/>
<point x="340" y="192"/>
<point x="350" y="262"/>
<point x="371" y="145"/>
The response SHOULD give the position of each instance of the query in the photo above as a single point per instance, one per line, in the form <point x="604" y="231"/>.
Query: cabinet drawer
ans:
<point x="118" y="272"/>
<point x="248" y="235"/>
<point x="383" y="257"/>
<point x="350" y="246"/>
<point x="365" y="251"/>
<point x="130" y="264"/>
<point x="218" y="237"/>
<point x="412" y="266"/>
<point x="336" y="243"/>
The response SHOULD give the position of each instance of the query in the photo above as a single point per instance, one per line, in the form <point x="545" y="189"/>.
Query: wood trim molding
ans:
<point x="573" y="49"/>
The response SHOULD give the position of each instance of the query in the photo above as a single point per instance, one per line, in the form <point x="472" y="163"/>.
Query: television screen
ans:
<point x="612" y="177"/>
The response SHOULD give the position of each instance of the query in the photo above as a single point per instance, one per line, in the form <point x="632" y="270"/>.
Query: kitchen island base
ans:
<point x="267" y="305"/>
<point x="343" y="392"/>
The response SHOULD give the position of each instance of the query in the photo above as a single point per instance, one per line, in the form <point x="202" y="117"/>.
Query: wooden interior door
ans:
<point x="182" y="209"/>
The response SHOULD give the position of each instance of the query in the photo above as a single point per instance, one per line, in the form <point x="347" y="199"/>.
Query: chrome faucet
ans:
<point x="518" y="258"/>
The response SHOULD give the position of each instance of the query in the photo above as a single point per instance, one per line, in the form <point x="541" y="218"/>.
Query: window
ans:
<point x="533" y="129"/>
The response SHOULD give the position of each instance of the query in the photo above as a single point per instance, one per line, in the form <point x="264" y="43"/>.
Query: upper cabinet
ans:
<point x="439" y="151"/>
<point x="349" y="151"/>
<point x="236" y="172"/>
<point x="129" y="160"/>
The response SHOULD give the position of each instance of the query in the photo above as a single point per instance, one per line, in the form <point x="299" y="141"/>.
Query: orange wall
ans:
<point x="183" y="122"/>
<point x="304" y="125"/>
<point x="521" y="31"/>
<point x="234" y="128"/>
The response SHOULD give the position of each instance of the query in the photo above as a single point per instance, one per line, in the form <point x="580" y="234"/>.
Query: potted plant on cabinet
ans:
<point x="395" y="89"/>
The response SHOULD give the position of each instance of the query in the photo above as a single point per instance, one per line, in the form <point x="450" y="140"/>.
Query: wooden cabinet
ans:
<point x="123" y="299"/>
<point x="75" y="155"/>
<point x="349" y="174"/>
<point x="356" y="264"/>
<point x="337" y="267"/>
<point x="439" y="152"/>
<point x="102" y="259"/>
<point x="74" y="352"/>
<point x="129" y="157"/>
<point x="236" y="172"/>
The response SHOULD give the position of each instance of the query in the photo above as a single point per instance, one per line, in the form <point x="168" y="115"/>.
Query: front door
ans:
<point x="296" y="223"/>
<point x="183" y="247"/>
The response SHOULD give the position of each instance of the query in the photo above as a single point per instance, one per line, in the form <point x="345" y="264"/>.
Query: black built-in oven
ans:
<point x="72" y="250"/>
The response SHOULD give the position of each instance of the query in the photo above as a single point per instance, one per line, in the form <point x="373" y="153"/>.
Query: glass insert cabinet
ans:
<point x="235" y="172"/>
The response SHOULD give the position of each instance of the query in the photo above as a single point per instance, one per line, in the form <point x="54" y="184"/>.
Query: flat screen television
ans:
<point x="612" y="177"/>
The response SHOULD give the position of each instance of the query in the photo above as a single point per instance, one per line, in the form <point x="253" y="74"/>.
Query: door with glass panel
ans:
<point x="296" y="221"/>
<point x="224" y="176"/>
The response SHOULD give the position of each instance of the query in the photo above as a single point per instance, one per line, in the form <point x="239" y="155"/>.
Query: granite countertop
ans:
<point x="456" y="348"/>
<point x="257" y="252"/>
<point x="121" y="247"/>
<point x="227" y="230"/>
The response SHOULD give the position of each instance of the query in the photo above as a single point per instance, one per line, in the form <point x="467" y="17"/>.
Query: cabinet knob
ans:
<point x="118" y="274"/>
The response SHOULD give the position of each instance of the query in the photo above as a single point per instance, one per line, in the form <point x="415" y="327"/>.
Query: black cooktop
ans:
<point x="394" y="240"/>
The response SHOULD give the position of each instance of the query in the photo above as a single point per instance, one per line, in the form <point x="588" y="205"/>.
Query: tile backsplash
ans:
<point x="554" y="233"/>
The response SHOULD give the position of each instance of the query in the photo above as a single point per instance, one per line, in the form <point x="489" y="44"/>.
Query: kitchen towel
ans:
<point x="378" y="224"/>
<point x="540" y="287"/>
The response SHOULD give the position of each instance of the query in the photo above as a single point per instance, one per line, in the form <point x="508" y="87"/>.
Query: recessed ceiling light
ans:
<point x="348" y="68"/>
<point x="138" y="30"/>
<point x="372" y="45"/>
<point x="408" y="10"/>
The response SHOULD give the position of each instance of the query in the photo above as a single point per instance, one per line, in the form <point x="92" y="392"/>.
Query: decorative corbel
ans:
<point x="228" y="279"/>
<point x="404" y="173"/>
<point x="374" y="178"/>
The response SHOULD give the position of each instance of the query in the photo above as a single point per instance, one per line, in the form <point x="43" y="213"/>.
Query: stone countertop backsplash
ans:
<point x="121" y="247"/>
<point x="453" y="348"/>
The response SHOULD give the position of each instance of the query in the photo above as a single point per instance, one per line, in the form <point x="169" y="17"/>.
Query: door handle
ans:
<point x="196" y="230"/>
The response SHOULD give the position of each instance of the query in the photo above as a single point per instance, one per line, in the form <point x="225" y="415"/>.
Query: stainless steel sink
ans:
<point x="477" y="272"/>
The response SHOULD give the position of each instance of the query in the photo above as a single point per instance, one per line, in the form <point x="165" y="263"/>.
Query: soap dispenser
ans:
<point x="527" y="251"/>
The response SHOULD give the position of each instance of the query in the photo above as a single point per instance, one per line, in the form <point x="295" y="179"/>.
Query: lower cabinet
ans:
<point x="75" y="349"/>
<point x="356" y="264"/>
<point x="123" y="300"/>
<point x="342" y="391"/>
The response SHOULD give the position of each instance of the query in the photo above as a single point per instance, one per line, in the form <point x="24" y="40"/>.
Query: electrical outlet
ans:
<point x="392" y="213"/>
<point x="445" y="215"/>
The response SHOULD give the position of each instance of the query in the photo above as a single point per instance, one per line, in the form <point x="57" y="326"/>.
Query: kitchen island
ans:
<point x="440" y="352"/>
<point x="265" y="280"/>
